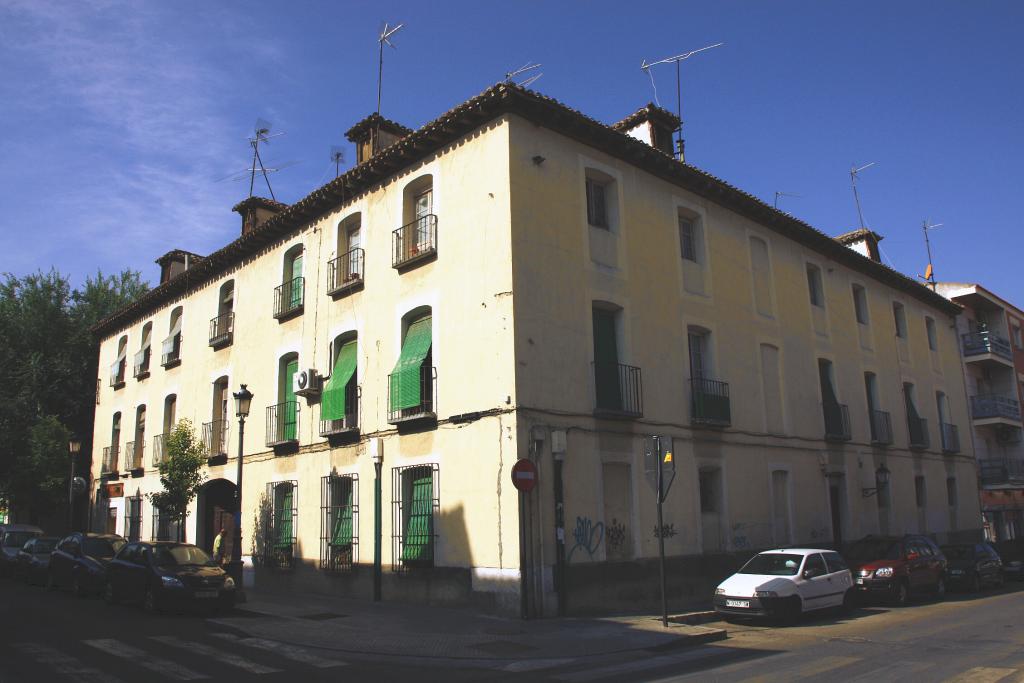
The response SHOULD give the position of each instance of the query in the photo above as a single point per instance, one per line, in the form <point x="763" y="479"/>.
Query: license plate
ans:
<point x="860" y="582"/>
<point x="206" y="594"/>
<point x="737" y="603"/>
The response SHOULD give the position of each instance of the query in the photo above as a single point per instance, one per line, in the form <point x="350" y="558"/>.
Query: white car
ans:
<point x="786" y="583"/>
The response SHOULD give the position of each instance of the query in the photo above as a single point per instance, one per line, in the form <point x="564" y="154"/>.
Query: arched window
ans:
<point x="346" y="270"/>
<point x="110" y="453"/>
<point x="140" y="368"/>
<point x="339" y="403"/>
<point x="417" y="238"/>
<point x="215" y="432"/>
<point x="411" y="383"/>
<point x="283" y="417"/>
<point x="117" y="370"/>
<point x="171" y="351"/>
<point x="222" y="327"/>
<point x="137" y="448"/>
<point x="289" y="296"/>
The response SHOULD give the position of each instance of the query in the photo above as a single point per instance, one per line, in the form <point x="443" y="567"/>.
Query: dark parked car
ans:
<point x="80" y="562"/>
<point x="1014" y="570"/>
<point x="167" y="575"/>
<point x="895" y="568"/>
<point x="12" y="538"/>
<point x="34" y="559"/>
<point x="971" y="565"/>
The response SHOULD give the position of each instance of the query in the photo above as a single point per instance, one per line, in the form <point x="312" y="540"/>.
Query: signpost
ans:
<point x="660" y="469"/>
<point x="524" y="475"/>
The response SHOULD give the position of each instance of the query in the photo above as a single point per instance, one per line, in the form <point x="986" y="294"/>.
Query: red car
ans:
<point x="895" y="568"/>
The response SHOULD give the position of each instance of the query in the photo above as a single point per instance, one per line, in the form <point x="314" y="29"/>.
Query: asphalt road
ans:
<point x="56" y="637"/>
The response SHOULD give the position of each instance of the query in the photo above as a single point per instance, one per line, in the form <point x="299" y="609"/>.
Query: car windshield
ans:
<point x="958" y="552"/>
<point x="43" y="547"/>
<point x="873" y="549"/>
<point x="773" y="564"/>
<point x="181" y="555"/>
<point x="16" y="539"/>
<point x="102" y="547"/>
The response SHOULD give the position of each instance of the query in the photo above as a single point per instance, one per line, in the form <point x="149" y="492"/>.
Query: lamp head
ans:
<point x="243" y="401"/>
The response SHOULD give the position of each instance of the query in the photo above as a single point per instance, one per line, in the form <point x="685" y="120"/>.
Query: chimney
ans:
<point x="373" y="135"/>
<point x="653" y="125"/>
<point x="176" y="262"/>
<point x="863" y="241"/>
<point x="256" y="211"/>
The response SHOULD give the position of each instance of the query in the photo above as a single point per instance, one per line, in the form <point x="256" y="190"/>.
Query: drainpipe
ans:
<point x="558" y="454"/>
<point x="377" y="453"/>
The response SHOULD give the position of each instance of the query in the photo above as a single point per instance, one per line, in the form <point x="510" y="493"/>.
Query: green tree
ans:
<point x="181" y="474"/>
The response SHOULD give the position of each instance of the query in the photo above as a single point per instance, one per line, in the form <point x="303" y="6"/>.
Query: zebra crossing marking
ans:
<point x="73" y="668"/>
<point x="164" y="667"/>
<point x="641" y="664"/>
<point x="215" y="654"/>
<point x="288" y="651"/>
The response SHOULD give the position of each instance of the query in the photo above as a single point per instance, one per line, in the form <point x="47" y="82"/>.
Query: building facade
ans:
<point x="517" y="281"/>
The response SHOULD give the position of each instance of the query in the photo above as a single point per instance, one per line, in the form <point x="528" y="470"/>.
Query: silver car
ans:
<point x="12" y="538"/>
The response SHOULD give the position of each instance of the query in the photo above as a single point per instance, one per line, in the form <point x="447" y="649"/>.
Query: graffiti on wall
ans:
<point x="615" y="537"/>
<point x="745" y="535"/>
<point x="665" y="531"/>
<point x="586" y="536"/>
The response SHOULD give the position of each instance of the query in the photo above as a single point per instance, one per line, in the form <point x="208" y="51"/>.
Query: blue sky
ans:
<point x="120" y="117"/>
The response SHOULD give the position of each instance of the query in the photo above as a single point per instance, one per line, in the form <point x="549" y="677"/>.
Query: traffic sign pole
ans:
<point x="661" y="537"/>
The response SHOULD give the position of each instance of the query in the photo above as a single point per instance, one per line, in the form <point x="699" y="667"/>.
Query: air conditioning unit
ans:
<point x="306" y="383"/>
<point x="1008" y="434"/>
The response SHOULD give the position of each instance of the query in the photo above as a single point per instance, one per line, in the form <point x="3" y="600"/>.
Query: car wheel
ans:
<point x="902" y="595"/>
<point x="975" y="583"/>
<point x="108" y="594"/>
<point x="792" y="610"/>
<point x="149" y="602"/>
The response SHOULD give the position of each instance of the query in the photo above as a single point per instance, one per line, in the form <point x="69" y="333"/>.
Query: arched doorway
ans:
<point x="216" y="507"/>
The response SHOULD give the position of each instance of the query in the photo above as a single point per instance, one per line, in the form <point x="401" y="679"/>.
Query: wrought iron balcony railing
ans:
<point x="349" y="423"/>
<point x="881" y="427"/>
<point x="117" y="371"/>
<point x="222" y="330"/>
<point x="950" y="438"/>
<point x="977" y="343"/>
<point x="282" y="423"/>
<point x="159" y="449"/>
<point x="140" y="366"/>
<point x="134" y="450"/>
<point x="289" y="297"/>
<point x="837" y="421"/>
<point x="414" y="241"/>
<point x="918" y="428"/>
<point x="110" y="458"/>
<point x="618" y="390"/>
<point x="1000" y="471"/>
<point x="709" y="402"/>
<point x="172" y="351"/>
<point x="345" y="272"/>
<point x="990" y="405"/>
<point x="215" y="437"/>
<point x="426" y="409"/>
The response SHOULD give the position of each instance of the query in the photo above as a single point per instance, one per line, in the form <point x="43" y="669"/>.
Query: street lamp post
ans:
<point x="243" y="400"/>
<point x="74" y="448"/>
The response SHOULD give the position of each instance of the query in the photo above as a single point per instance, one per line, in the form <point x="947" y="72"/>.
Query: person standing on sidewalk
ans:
<point x="218" y="547"/>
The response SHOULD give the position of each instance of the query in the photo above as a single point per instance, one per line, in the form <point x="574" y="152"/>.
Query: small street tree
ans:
<point x="181" y="474"/>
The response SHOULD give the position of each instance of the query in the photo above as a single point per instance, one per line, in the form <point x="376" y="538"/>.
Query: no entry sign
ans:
<point x="524" y="475"/>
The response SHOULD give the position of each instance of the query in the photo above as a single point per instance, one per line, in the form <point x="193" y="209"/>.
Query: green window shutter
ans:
<point x="405" y="378"/>
<point x="286" y="415"/>
<point x="296" y="288"/>
<point x="419" y="533"/>
<point x="332" y="406"/>
<point x="606" y="361"/>
<point x="342" y="534"/>
<point x="284" y="496"/>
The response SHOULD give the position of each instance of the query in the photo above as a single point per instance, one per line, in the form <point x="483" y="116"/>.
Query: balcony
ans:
<point x="881" y="427"/>
<point x="918" y="428"/>
<point x="215" y="438"/>
<point x="140" y="367"/>
<point x="282" y="424"/>
<point x="345" y="273"/>
<point x="405" y="405"/>
<point x="995" y="409"/>
<point x="171" y="356"/>
<point x="110" y="458"/>
<point x="837" y="421"/>
<point x="159" y="449"/>
<point x="222" y="330"/>
<point x="986" y="347"/>
<point x="998" y="471"/>
<point x="950" y="438"/>
<point x="414" y="242"/>
<point x="117" y="371"/>
<point x="709" y="403"/>
<point x="134" y="451"/>
<point x="348" y="424"/>
<point x="289" y="298"/>
<point x="618" y="390"/>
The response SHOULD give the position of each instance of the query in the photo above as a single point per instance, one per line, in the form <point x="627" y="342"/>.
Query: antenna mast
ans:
<point x="929" y="272"/>
<point x="854" y="171"/>
<point x="679" y="91"/>
<point x="337" y="157"/>
<point x="526" y="82"/>
<point x="386" y="32"/>
<point x="783" y="194"/>
<point x="261" y="133"/>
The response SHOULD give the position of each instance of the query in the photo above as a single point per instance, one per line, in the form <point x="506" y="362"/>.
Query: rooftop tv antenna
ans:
<point x="784" y="194"/>
<point x="854" y="174"/>
<point x="679" y="91"/>
<point x="261" y="134"/>
<point x="384" y="37"/>
<point x="337" y="158"/>
<point x="525" y="83"/>
<point x="929" y="272"/>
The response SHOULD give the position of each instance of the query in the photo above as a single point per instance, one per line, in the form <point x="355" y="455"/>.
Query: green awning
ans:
<point x="418" y="544"/>
<point x="332" y="405"/>
<point x="406" y="389"/>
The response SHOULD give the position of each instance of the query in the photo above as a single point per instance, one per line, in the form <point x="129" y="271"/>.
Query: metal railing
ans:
<point x="990" y="405"/>
<point x="215" y="437"/>
<point x="349" y="423"/>
<point x="414" y="241"/>
<point x="140" y="366"/>
<point x="159" y="449"/>
<point x="710" y="402"/>
<point x="428" y="398"/>
<point x="289" y="297"/>
<point x="618" y="390"/>
<point x="345" y="271"/>
<point x="977" y="343"/>
<point x="174" y="354"/>
<point x="881" y="427"/>
<point x="282" y="423"/>
<point x="918" y="428"/>
<point x="110" y="457"/>
<point x="950" y="437"/>
<point x="117" y="371"/>
<point x="135" y="450"/>
<point x="222" y="330"/>
<point x="997" y="471"/>
<point x="837" y="421"/>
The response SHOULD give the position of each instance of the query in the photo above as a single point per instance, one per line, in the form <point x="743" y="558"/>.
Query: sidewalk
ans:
<point x="419" y="631"/>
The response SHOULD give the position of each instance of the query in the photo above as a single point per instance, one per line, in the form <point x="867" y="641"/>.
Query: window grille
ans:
<point x="415" y="496"/>
<point x="133" y="519"/>
<point x="339" y="522"/>
<point x="279" y="548"/>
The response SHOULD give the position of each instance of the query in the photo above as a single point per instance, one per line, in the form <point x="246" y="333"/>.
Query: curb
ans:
<point x="695" y="618"/>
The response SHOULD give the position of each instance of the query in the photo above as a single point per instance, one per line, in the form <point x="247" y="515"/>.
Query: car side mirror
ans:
<point x="809" y="574"/>
<point x="913" y="556"/>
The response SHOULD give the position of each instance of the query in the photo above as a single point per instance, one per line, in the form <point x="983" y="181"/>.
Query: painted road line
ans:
<point x="982" y="674"/>
<point x="219" y="656"/>
<point x="164" y="667"/>
<point x="536" y="664"/>
<point x="890" y="672"/>
<point x="642" y="664"/>
<point x="814" y="668"/>
<point x="286" y="650"/>
<point x="67" y="665"/>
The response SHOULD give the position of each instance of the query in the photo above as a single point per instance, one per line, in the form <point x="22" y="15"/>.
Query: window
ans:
<point x="688" y="238"/>
<point x="815" y="565"/>
<point x="709" y="485"/>
<point x="223" y="326"/>
<point x="164" y="528"/>
<point x="339" y="401"/>
<point x="917" y="425"/>
<point x="136" y="449"/>
<point x="597" y="204"/>
<point x="933" y="341"/>
<point x="279" y="543"/>
<point x="951" y="497"/>
<point x="140" y="368"/>
<point x="771" y="387"/>
<point x="411" y="383"/>
<point x="814" y="286"/>
<point x="698" y="348"/>
<point x="289" y="296"/>
<point x="160" y="440"/>
<point x="900" y="319"/>
<point x="879" y="420"/>
<point x="347" y="269"/>
<point x="118" y="368"/>
<point x="417" y="238"/>
<point x="919" y="491"/>
<point x="133" y="519"/>
<point x="283" y="418"/>
<point x="110" y="453"/>
<point x="171" y="350"/>
<point x="837" y="420"/>
<point x="860" y="304"/>
<point x="339" y="522"/>
<point x="215" y="432"/>
<point x="835" y="563"/>
<point x="761" y="270"/>
<point x="415" y="492"/>
<point x="607" y="378"/>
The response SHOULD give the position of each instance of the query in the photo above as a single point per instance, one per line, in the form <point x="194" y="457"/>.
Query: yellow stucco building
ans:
<point x="516" y="281"/>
